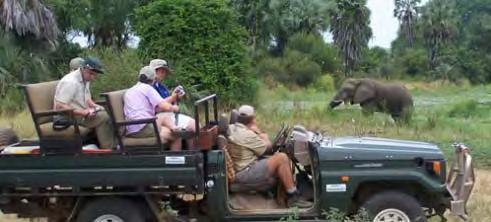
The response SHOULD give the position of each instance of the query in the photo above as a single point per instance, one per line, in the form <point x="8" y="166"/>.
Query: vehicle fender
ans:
<point x="342" y="195"/>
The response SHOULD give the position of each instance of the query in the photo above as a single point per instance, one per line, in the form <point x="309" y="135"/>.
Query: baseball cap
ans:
<point x="147" y="71"/>
<point x="246" y="110"/>
<point x="76" y="63"/>
<point x="93" y="64"/>
<point x="159" y="63"/>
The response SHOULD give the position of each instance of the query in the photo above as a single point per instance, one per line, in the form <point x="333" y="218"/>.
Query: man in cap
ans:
<point x="141" y="102"/>
<point x="76" y="63"/>
<point x="73" y="92"/>
<point x="248" y="146"/>
<point x="162" y="69"/>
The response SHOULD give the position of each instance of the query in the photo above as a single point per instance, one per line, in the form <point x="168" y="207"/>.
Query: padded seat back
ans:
<point x="115" y="102"/>
<point x="40" y="97"/>
<point x="229" y="164"/>
<point x="234" y="115"/>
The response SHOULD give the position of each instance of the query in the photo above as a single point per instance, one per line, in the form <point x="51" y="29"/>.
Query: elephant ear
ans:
<point x="364" y="92"/>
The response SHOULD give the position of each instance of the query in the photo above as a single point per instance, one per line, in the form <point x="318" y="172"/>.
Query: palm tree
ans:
<point x="350" y="26"/>
<point x="277" y="20"/>
<point x="439" y="25"/>
<point x="29" y="17"/>
<point x="407" y="11"/>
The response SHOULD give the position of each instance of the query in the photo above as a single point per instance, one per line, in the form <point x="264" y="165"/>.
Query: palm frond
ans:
<point x="26" y="17"/>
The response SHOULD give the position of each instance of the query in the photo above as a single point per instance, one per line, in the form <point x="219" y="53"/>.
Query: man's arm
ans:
<point x="263" y="136"/>
<point x="165" y="106"/>
<point x="65" y="92"/>
<point x="77" y="112"/>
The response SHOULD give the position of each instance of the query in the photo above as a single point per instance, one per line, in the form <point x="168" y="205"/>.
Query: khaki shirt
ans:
<point x="73" y="90"/>
<point x="244" y="146"/>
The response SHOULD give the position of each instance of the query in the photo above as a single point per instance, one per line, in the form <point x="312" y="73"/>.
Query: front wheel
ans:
<point x="110" y="210"/>
<point x="394" y="206"/>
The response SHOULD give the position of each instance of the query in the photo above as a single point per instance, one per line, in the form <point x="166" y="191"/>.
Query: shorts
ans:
<point x="182" y="120"/>
<point x="145" y="132"/>
<point x="256" y="176"/>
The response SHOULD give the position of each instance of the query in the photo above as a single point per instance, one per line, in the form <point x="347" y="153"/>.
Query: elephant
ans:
<point x="374" y="96"/>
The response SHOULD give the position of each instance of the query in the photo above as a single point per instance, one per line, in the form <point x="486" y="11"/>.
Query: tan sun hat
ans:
<point x="159" y="63"/>
<point x="246" y="110"/>
<point x="148" y="72"/>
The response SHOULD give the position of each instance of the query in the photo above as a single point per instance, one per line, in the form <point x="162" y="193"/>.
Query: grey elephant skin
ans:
<point x="374" y="96"/>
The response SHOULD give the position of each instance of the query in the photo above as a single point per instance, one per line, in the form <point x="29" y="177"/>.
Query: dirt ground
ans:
<point x="479" y="206"/>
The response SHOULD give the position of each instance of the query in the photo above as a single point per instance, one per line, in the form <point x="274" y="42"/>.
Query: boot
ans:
<point x="295" y="201"/>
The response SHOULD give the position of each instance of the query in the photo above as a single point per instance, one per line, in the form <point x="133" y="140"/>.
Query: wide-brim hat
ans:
<point x="160" y="63"/>
<point x="93" y="64"/>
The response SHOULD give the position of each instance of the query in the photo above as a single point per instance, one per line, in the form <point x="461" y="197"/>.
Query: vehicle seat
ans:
<point x="234" y="114"/>
<point x="115" y="106"/>
<point x="40" y="100"/>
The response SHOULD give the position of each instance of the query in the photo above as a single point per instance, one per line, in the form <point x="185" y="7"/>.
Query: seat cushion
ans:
<point x="47" y="130"/>
<point x="146" y="141"/>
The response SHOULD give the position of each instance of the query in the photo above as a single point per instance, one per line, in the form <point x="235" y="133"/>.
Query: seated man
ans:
<point x="141" y="102"/>
<point x="73" y="92"/>
<point x="183" y="121"/>
<point x="247" y="145"/>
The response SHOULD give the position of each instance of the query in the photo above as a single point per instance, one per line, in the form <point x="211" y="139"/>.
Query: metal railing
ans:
<point x="460" y="180"/>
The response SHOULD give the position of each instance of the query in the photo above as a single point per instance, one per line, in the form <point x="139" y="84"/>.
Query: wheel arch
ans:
<point x="146" y="205"/>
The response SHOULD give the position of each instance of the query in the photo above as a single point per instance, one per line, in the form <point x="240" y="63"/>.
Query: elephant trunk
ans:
<point x="335" y="103"/>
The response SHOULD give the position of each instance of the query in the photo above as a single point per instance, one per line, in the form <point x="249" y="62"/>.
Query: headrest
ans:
<point x="234" y="115"/>
<point x="223" y="124"/>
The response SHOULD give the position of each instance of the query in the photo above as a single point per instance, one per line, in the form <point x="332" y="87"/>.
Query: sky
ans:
<point x="382" y="21"/>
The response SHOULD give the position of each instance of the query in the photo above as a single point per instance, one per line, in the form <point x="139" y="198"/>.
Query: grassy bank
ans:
<point x="443" y="114"/>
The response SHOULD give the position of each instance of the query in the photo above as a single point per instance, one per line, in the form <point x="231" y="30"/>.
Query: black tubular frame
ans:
<point x="205" y="101"/>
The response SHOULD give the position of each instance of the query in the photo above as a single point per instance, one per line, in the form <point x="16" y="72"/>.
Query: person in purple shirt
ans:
<point x="186" y="122"/>
<point x="142" y="101"/>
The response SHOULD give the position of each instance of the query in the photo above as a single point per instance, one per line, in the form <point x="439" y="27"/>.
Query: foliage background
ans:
<point x="203" y="42"/>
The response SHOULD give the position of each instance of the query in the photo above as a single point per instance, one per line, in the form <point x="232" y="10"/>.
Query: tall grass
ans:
<point x="443" y="115"/>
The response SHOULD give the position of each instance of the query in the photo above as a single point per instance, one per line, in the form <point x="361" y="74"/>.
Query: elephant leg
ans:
<point x="368" y="108"/>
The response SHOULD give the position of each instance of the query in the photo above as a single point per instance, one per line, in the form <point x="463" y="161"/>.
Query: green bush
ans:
<point x="12" y="102"/>
<point x="121" y="70"/>
<point x="324" y="54"/>
<point x="294" y="68"/>
<point x="203" y="42"/>
<point x="468" y="109"/>
<point x="325" y="83"/>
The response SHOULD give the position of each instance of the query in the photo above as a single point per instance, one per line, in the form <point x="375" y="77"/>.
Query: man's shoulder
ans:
<point x="239" y="131"/>
<point x="72" y="77"/>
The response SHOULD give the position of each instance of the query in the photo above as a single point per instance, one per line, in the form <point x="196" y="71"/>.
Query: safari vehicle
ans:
<point x="394" y="180"/>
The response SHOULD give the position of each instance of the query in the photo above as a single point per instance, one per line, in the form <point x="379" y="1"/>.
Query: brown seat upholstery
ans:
<point x="40" y="99"/>
<point x="115" y="106"/>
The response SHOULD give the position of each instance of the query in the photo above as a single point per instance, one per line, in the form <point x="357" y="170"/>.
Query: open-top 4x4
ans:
<point x="392" y="179"/>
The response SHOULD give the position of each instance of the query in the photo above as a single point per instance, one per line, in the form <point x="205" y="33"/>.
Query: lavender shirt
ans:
<point x="140" y="102"/>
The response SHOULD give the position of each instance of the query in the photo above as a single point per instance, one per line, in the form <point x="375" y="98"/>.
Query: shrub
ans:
<point x="467" y="109"/>
<point x="324" y="54"/>
<point x="325" y="83"/>
<point x="203" y="42"/>
<point x="121" y="70"/>
<point x="293" y="69"/>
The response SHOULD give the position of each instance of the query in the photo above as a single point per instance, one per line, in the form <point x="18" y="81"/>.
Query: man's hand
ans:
<point x="174" y="108"/>
<point x="255" y="129"/>
<point x="90" y="112"/>
<point x="179" y="91"/>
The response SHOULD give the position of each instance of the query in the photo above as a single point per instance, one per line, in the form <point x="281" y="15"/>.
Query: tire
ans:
<point x="110" y="210"/>
<point x="7" y="137"/>
<point x="394" y="206"/>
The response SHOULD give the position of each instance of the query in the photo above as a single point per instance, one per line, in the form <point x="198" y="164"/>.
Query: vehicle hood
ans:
<point x="371" y="148"/>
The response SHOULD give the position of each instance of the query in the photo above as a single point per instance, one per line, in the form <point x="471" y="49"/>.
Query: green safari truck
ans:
<point x="393" y="180"/>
